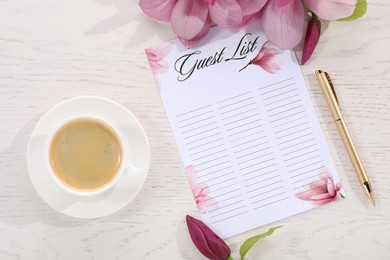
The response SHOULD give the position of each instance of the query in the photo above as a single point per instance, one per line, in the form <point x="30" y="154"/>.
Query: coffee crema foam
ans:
<point x="85" y="154"/>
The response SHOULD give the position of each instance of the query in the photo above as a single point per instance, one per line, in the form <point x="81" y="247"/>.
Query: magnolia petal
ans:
<point x="331" y="9"/>
<point x="194" y="41"/>
<point x="251" y="7"/>
<point x="226" y="13"/>
<point x="311" y="39"/>
<point x="207" y="242"/>
<point x="331" y="188"/>
<point x="158" y="9"/>
<point x="284" y="26"/>
<point x="188" y="18"/>
<point x="198" y="237"/>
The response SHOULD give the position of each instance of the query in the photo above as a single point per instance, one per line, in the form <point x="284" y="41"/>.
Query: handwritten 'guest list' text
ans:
<point x="249" y="139"/>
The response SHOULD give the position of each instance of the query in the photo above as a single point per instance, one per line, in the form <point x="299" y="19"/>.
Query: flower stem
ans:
<point x="250" y="62"/>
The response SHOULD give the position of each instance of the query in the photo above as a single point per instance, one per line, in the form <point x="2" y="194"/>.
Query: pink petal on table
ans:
<point x="284" y="26"/>
<point x="226" y="13"/>
<point x="311" y="39"/>
<point x="189" y="18"/>
<point x="158" y="9"/>
<point x="331" y="9"/>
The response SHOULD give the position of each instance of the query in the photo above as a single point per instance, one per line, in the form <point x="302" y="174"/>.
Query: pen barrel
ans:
<point x="352" y="152"/>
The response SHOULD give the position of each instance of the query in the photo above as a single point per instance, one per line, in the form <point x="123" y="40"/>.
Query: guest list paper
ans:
<point x="244" y="124"/>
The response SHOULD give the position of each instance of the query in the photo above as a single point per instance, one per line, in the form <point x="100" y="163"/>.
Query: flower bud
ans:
<point x="207" y="242"/>
<point x="312" y="36"/>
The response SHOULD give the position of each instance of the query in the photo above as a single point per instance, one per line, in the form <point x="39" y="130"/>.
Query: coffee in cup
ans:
<point x="85" y="155"/>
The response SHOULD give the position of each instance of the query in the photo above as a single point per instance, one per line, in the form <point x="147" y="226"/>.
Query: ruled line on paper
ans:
<point x="244" y="137"/>
<point x="306" y="166"/>
<point x="262" y="206"/>
<point x="295" y="138"/>
<point x="212" y="160"/>
<point x="288" y="116"/>
<point x="273" y="84"/>
<point x="257" y="157"/>
<point x="192" y="117"/>
<point x="195" y="147"/>
<point x="257" y="170"/>
<point x="219" y="176"/>
<point x="208" y="149"/>
<point x="257" y="163"/>
<point x="288" y="122"/>
<point x="266" y="192"/>
<point x="243" y="125"/>
<point x="251" y="153"/>
<point x="215" y="222"/>
<point x="280" y="100"/>
<point x="257" y="126"/>
<point x="292" y="133"/>
<point x="200" y="133"/>
<point x="219" y="170"/>
<point x="280" y="94"/>
<point x="237" y="108"/>
<point x="242" y="119"/>
<point x="284" y="105"/>
<point x="222" y="194"/>
<point x="294" y="145"/>
<point x="221" y="182"/>
<point x="308" y="178"/>
<point x="300" y="155"/>
<point x="230" y="98"/>
<point x="197" y="122"/>
<point x="203" y="138"/>
<point x="199" y="127"/>
<point x="227" y="205"/>
<point x="284" y="111"/>
<point x="258" y="176"/>
<point x="269" y="197"/>
<point x="208" y="155"/>
<point x="241" y="113"/>
<point x="192" y="111"/>
<point x="227" y="211"/>
<point x="304" y="160"/>
<point x="289" y="128"/>
<point x="276" y="89"/>
<point x="236" y="102"/>
<point x="212" y="166"/>
<point x="302" y="173"/>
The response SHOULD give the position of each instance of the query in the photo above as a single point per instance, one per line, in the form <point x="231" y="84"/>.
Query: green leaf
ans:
<point x="360" y="10"/>
<point x="230" y="258"/>
<point x="247" y="245"/>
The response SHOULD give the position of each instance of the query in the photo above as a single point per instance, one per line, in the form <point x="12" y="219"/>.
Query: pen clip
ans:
<point x="332" y="87"/>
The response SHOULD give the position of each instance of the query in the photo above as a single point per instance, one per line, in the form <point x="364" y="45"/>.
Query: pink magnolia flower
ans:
<point x="192" y="19"/>
<point x="321" y="191"/>
<point x="312" y="36"/>
<point x="283" y="20"/>
<point x="200" y="191"/>
<point x="156" y="57"/>
<point x="208" y="243"/>
<point x="267" y="58"/>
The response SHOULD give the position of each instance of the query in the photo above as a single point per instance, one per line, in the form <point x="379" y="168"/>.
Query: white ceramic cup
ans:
<point x="124" y="170"/>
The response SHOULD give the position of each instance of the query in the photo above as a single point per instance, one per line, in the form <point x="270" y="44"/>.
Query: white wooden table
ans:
<point x="51" y="51"/>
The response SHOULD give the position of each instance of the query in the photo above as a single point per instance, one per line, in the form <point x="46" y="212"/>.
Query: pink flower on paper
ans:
<point x="156" y="58"/>
<point x="200" y="191"/>
<point x="321" y="191"/>
<point x="283" y="20"/>
<point x="192" y="19"/>
<point x="267" y="58"/>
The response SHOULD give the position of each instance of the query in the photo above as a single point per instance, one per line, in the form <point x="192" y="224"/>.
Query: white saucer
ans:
<point x="124" y="191"/>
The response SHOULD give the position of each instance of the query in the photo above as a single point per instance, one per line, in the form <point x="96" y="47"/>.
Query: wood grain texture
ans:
<point x="54" y="50"/>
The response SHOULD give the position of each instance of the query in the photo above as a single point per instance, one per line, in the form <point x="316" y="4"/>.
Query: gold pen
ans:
<point x="331" y="98"/>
